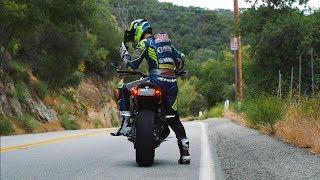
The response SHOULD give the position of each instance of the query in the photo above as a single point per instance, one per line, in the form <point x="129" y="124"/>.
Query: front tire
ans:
<point x="144" y="142"/>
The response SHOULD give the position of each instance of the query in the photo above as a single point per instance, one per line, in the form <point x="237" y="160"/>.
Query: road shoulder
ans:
<point x="247" y="154"/>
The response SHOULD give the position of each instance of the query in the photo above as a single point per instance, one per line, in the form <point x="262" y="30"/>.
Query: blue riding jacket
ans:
<point x="163" y="59"/>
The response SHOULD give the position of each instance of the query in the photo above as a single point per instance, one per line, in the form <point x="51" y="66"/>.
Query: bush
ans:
<point x="19" y="70"/>
<point x="6" y="127"/>
<point x="21" y="91"/>
<point x="68" y="123"/>
<point x="216" y="111"/>
<point x="29" y="123"/>
<point x="41" y="89"/>
<point x="263" y="110"/>
<point x="97" y="123"/>
<point x="190" y="102"/>
<point x="75" y="79"/>
<point x="311" y="107"/>
<point x="69" y="95"/>
<point x="198" y="104"/>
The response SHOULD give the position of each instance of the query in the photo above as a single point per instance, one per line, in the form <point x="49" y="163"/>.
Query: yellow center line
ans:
<point x="60" y="139"/>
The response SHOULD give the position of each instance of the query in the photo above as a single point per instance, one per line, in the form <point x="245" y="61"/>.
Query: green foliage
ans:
<point x="68" y="96"/>
<point x="75" y="79"/>
<point x="29" y="123"/>
<point x="311" y="107"/>
<point x="67" y="123"/>
<point x="6" y="127"/>
<point x="216" y="111"/>
<point x="21" y="91"/>
<point x="279" y="3"/>
<point x="264" y="110"/>
<point x="277" y="37"/>
<point x="53" y="37"/>
<point x="190" y="102"/>
<point x="214" y="77"/>
<point x="190" y="28"/>
<point x="41" y="89"/>
<point x="12" y="18"/>
<point x="14" y="46"/>
<point x="19" y="70"/>
<point x="203" y="55"/>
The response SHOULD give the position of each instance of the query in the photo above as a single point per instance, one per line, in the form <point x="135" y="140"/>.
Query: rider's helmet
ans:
<point x="138" y="28"/>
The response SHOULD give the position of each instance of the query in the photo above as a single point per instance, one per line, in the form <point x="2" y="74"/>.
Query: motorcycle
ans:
<point x="148" y="117"/>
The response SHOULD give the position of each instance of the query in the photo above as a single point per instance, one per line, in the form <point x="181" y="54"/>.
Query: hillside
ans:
<point x="192" y="29"/>
<point x="53" y="54"/>
<point x="55" y="58"/>
<point x="87" y="106"/>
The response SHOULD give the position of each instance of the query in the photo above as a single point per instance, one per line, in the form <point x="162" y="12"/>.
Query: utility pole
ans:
<point x="239" y="82"/>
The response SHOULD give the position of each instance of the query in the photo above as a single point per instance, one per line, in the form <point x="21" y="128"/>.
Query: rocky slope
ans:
<point x="90" y="105"/>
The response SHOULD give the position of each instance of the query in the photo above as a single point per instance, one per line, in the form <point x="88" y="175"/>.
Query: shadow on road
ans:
<point x="157" y="163"/>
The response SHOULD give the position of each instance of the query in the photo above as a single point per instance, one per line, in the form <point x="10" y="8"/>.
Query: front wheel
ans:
<point x="144" y="142"/>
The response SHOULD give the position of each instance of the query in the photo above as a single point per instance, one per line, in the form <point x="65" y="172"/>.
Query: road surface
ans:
<point x="220" y="149"/>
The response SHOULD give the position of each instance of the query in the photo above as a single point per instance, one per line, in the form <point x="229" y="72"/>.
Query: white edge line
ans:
<point x="207" y="171"/>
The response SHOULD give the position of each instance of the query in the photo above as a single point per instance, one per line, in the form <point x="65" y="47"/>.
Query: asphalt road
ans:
<point x="220" y="149"/>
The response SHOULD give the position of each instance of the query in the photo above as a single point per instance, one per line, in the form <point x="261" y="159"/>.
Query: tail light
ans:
<point x="158" y="92"/>
<point x="145" y="92"/>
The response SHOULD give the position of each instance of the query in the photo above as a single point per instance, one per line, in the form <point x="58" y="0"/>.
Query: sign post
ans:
<point x="234" y="48"/>
<point x="234" y="44"/>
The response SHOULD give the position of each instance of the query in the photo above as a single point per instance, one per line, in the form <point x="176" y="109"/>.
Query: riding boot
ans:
<point x="125" y="128"/>
<point x="184" y="151"/>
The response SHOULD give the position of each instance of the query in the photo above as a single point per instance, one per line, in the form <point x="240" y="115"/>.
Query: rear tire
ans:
<point x="144" y="142"/>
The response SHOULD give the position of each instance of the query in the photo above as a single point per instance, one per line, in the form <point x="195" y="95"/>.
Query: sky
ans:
<point x="223" y="4"/>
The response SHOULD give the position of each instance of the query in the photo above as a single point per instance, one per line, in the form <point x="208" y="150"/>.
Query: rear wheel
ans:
<point x="144" y="142"/>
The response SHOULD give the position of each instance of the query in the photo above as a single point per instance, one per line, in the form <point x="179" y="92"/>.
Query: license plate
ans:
<point x="146" y="92"/>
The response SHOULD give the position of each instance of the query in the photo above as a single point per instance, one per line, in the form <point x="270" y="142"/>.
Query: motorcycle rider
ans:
<point x="163" y="60"/>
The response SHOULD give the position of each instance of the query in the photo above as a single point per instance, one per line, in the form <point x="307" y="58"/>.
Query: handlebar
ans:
<point x="180" y="73"/>
<point x="123" y="72"/>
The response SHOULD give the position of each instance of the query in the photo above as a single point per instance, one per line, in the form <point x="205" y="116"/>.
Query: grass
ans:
<point x="6" y="127"/>
<point x="97" y="123"/>
<point x="310" y="107"/>
<point x="296" y="121"/>
<point x="69" y="95"/>
<point x="29" y="123"/>
<point x="114" y="121"/>
<point x="20" y="70"/>
<point x="301" y="124"/>
<point x="263" y="111"/>
<point x="67" y="123"/>
<point x="21" y="91"/>
<point x="216" y="111"/>
<point x="64" y="105"/>
<point x="41" y="89"/>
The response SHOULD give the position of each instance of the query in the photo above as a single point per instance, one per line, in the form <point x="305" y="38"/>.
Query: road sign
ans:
<point x="234" y="44"/>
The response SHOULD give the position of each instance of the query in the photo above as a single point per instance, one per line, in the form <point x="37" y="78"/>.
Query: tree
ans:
<point x="278" y="3"/>
<point x="54" y="37"/>
<point x="190" y="28"/>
